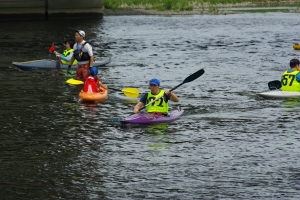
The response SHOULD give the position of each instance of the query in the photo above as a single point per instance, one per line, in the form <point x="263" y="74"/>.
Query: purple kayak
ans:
<point x="148" y="118"/>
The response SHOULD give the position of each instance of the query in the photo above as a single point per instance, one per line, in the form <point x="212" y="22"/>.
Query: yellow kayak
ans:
<point x="296" y="46"/>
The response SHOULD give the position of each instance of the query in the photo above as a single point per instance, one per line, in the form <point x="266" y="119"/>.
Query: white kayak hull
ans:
<point x="279" y="94"/>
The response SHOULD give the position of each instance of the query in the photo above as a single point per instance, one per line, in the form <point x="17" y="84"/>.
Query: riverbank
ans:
<point x="128" y="11"/>
<point x="108" y="12"/>
<point x="217" y="9"/>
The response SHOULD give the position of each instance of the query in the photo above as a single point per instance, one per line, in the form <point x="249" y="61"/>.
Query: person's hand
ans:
<point x="136" y="110"/>
<point x="167" y="92"/>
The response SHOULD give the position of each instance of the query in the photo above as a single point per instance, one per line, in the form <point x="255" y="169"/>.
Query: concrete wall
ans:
<point x="74" y="8"/>
<point x="49" y="9"/>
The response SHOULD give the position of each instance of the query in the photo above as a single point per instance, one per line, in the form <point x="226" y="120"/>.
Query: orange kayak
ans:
<point x="93" y="96"/>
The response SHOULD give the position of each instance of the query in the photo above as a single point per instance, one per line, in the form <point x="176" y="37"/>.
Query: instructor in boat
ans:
<point x="159" y="105"/>
<point x="83" y="53"/>
<point x="290" y="79"/>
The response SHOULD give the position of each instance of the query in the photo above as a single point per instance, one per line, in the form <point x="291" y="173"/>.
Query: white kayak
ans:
<point x="279" y="94"/>
<point x="51" y="64"/>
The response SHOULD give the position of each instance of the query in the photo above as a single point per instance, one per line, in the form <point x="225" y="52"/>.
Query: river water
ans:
<point x="229" y="144"/>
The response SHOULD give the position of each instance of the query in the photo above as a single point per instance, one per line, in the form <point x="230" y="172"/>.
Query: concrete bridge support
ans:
<point x="49" y="9"/>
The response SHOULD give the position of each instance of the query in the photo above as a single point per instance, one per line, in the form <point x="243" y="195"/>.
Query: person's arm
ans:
<point x="102" y="85"/>
<point x="58" y="55"/>
<point x="173" y="96"/>
<point x="72" y="59"/>
<point x="137" y="107"/>
<point x="68" y="58"/>
<point x="297" y="77"/>
<point x="90" y="52"/>
<point x="91" y="61"/>
<point x="140" y="104"/>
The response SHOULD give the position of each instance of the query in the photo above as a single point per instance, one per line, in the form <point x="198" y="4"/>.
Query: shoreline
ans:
<point x="221" y="10"/>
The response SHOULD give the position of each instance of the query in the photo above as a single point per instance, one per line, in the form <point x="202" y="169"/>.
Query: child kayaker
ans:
<point x="160" y="106"/>
<point x="66" y="56"/>
<point x="92" y="82"/>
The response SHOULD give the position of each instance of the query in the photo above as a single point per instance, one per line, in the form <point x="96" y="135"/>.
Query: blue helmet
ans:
<point x="94" y="71"/>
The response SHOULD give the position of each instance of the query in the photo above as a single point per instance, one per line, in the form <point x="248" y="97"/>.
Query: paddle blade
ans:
<point x="274" y="85"/>
<point x="52" y="48"/>
<point x="131" y="92"/>
<point x="194" y="76"/>
<point x="190" y="78"/>
<point x="74" y="81"/>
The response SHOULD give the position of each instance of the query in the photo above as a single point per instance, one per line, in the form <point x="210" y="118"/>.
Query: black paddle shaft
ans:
<point x="190" y="78"/>
<point x="115" y="89"/>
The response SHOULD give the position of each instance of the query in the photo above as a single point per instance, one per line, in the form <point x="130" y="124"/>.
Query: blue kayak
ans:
<point x="51" y="64"/>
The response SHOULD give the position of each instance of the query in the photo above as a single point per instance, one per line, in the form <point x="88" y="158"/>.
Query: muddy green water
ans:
<point x="229" y="144"/>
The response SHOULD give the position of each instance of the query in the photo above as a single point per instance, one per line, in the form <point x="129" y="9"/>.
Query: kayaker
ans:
<point x="160" y="106"/>
<point x="66" y="56"/>
<point x="290" y="79"/>
<point x="83" y="53"/>
<point x="92" y="82"/>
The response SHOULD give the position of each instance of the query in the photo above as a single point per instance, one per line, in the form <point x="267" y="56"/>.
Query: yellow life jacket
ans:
<point x="159" y="106"/>
<point x="289" y="82"/>
<point x="66" y="53"/>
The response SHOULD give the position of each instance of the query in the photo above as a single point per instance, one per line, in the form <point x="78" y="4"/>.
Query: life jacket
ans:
<point x="91" y="85"/>
<point x="159" y="106"/>
<point x="66" y="53"/>
<point x="79" y="55"/>
<point x="289" y="82"/>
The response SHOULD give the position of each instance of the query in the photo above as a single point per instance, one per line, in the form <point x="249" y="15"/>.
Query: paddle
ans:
<point x="188" y="79"/>
<point x="52" y="48"/>
<point x="274" y="85"/>
<point x="130" y="92"/>
<point x="74" y="81"/>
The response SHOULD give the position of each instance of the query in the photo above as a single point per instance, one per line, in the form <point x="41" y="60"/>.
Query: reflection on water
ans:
<point x="229" y="144"/>
<point x="159" y="139"/>
<point x="292" y="103"/>
<point x="157" y="129"/>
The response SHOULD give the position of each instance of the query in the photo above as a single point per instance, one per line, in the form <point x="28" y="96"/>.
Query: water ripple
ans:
<point x="228" y="144"/>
